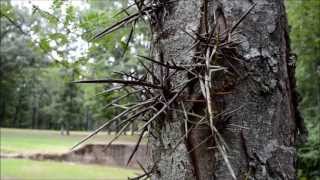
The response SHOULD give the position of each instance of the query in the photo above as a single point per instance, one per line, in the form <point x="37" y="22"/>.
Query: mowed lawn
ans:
<point x="26" y="141"/>
<point x="22" y="169"/>
<point x="47" y="141"/>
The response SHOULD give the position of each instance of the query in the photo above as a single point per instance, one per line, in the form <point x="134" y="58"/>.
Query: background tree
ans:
<point x="44" y="53"/>
<point x="19" y="64"/>
<point x="305" y="35"/>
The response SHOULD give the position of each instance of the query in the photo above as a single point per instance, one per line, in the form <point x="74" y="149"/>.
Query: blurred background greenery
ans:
<point x="304" y="21"/>
<point x="45" y="45"/>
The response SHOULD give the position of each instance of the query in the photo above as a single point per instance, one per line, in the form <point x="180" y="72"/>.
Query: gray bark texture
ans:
<point x="262" y="133"/>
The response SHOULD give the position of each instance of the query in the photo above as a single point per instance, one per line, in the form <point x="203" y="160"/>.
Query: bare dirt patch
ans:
<point x="116" y="155"/>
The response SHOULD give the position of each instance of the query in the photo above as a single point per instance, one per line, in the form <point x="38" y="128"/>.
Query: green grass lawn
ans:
<point x="35" y="170"/>
<point x="47" y="141"/>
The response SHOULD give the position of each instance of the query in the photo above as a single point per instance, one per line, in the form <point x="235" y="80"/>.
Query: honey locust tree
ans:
<point x="218" y="96"/>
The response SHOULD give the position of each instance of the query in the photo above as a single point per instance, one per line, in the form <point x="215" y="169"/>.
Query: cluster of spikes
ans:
<point x="156" y="95"/>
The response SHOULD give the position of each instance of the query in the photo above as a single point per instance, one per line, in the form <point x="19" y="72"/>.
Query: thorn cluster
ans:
<point x="215" y="51"/>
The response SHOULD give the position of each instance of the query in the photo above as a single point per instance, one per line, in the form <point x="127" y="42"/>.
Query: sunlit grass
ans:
<point x="29" y="169"/>
<point x="48" y="141"/>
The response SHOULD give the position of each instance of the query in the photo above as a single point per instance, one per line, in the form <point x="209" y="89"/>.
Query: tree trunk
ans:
<point x="88" y="119"/>
<point x="3" y="114"/>
<point x="263" y="122"/>
<point x="67" y="128"/>
<point x="16" y="120"/>
<point x="33" y="117"/>
<point x="62" y="128"/>
<point x="133" y="128"/>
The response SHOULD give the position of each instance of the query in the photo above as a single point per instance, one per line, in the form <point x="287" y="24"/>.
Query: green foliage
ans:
<point x="57" y="3"/>
<point x="44" y="45"/>
<point x="53" y="49"/>
<point x="304" y="20"/>
<point x="59" y="38"/>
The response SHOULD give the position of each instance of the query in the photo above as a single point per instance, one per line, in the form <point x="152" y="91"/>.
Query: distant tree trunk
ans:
<point x="36" y="121"/>
<point x="117" y="127"/>
<point x="16" y="121"/>
<point x="33" y="118"/>
<point x="261" y="134"/>
<point x="3" y="113"/>
<point x="62" y="129"/>
<point x="67" y="128"/>
<point x="125" y="131"/>
<point x="109" y="131"/>
<point x="41" y="120"/>
<point x="133" y="128"/>
<point x="88" y="119"/>
<point x="49" y="124"/>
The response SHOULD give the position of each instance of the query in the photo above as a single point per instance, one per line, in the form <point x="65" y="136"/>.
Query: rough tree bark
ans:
<point x="261" y="135"/>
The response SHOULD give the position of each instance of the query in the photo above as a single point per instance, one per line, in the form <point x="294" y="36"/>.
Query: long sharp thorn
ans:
<point x="241" y="18"/>
<point x="116" y="26"/>
<point x="123" y="10"/>
<point x="141" y="166"/>
<point x="160" y="63"/>
<point x="109" y="122"/>
<point x="188" y="34"/>
<point x="130" y="75"/>
<point x="131" y="118"/>
<point x="120" y="98"/>
<point x="186" y="135"/>
<point x="129" y="39"/>
<point x="118" y="135"/>
<point x="223" y="153"/>
<point x="149" y="71"/>
<point x="133" y="83"/>
<point x="164" y="107"/>
<point x="136" y="146"/>
<point x="99" y="129"/>
<point x="185" y="118"/>
<point x="188" y="113"/>
<point x="110" y="90"/>
<point x="198" y="145"/>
